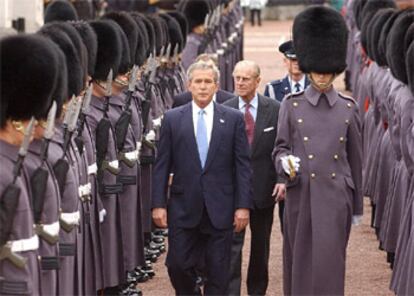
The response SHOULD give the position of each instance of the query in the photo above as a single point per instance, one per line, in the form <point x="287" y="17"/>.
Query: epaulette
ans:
<point x="290" y="95"/>
<point x="347" y="97"/>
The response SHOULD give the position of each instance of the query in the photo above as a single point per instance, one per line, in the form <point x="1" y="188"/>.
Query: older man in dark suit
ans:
<point x="260" y="115"/>
<point x="205" y="146"/>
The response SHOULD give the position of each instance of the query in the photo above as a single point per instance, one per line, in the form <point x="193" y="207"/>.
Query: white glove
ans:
<point x="150" y="137"/>
<point x="356" y="219"/>
<point x="285" y="163"/>
<point x="102" y="214"/>
<point x="157" y="122"/>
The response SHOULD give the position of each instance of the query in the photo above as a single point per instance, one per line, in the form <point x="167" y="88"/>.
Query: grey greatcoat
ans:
<point x="321" y="200"/>
<point x="12" y="279"/>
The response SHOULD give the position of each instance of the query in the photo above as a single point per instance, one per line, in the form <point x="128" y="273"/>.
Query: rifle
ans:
<point x="124" y="121"/>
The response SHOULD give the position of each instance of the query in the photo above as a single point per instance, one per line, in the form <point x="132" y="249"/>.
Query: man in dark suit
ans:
<point x="261" y="116"/>
<point x="205" y="146"/>
<point x="294" y="82"/>
<point x="219" y="97"/>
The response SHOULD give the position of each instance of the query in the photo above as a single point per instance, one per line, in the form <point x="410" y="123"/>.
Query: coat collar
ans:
<point x="313" y="95"/>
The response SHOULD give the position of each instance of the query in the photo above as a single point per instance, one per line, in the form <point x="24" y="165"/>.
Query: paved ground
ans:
<point x="367" y="271"/>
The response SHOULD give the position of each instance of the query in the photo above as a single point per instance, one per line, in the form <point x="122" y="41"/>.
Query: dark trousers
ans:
<point x="258" y="13"/>
<point x="261" y="221"/>
<point x="281" y="205"/>
<point x="185" y="248"/>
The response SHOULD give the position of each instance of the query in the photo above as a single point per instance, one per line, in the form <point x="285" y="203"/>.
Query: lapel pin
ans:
<point x="221" y="120"/>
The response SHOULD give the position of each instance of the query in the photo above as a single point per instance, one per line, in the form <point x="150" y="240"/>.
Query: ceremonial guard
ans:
<point x="19" y="242"/>
<point x="318" y="154"/>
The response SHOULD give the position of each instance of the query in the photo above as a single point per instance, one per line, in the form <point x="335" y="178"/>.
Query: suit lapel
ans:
<point x="187" y="126"/>
<point x="261" y="120"/>
<point x="219" y="122"/>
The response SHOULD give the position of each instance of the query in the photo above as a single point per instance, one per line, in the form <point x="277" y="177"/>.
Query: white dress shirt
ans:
<point x="293" y="83"/>
<point x="208" y="118"/>
<point x="254" y="104"/>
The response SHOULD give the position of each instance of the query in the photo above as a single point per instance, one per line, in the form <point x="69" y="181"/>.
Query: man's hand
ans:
<point x="279" y="192"/>
<point x="159" y="215"/>
<point x="241" y="219"/>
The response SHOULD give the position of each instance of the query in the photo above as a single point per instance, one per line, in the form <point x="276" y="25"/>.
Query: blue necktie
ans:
<point x="202" y="141"/>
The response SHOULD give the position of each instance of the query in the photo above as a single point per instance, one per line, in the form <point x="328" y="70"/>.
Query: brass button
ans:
<point x="295" y="104"/>
<point x="349" y="105"/>
<point x="313" y="175"/>
<point x="336" y="157"/>
<point x="341" y="139"/>
<point x="300" y="120"/>
<point x="305" y="139"/>
<point x="310" y="156"/>
<point x="347" y="121"/>
<point x="333" y="175"/>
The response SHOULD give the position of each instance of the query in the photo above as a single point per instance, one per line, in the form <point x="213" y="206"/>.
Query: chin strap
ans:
<point x="322" y="86"/>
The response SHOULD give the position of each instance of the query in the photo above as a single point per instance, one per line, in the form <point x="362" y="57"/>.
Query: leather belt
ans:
<point x="68" y="221"/>
<point x="84" y="190"/>
<point x="24" y="245"/>
<point x="48" y="232"/>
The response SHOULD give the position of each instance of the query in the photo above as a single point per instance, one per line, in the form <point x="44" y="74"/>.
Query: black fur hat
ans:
<point x="382" y="43"/>
<point x="151" y="34"/>
<point x="181" y="19"/>
<point x="409" y="64"/>
<point x="372" y="6"/>
<point x="143" y="40"/>
<point x="158" y="33"/>
<point x="195" y="11"/>
<point x="380" y="18"/>
<point x="174" y="32"/>
<point x="60" y="93"/>
<point x="130" y="28"/>
<point x="365" y="31"/>
<point x="60" y="10"/>
<point x="78" y="43"/>
<point x="73" y="61"/>
<point x="28" y="71"/>
<point x="109" y="49"/>
<point x="357" y="7"/>
<point x="90" y="41"/>
<point x="395" y="49"/>
<point x="320" y="39"/>
<point x="126" y="62"/>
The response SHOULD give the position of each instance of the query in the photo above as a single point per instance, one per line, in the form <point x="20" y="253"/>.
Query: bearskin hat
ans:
<point x="158" y="33"/>
<point x="395" y="49"/>
<point x="109" y="52"/>
<point x="195" y="11"/>
<point x="180" y="18"/>
<point x="143" y="40"/>
<point x="126" y="63"/>
<point x="372" y="6"/>
<point x="409" y="64"/>
<point x="151" y="34"/>
<point x="60" y="10"/>
<point x="174" y="32"/>
<point x="129" y="27"/>
<point x="60" y="93"/>
<point x="357" y="8"/>
<point x="28" y="71"/>
<point x="73" y="61"/>
<point x="379" y="20"/>
<point x="320" y="39"/>
<point x="90" y="41"/>
<point x="409" y="37"/>
<point x="382" y="44"/>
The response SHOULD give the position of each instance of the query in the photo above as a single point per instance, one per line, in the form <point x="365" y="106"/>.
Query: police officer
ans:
<point x="295" y="81"/>
<point x="318" y="152"/>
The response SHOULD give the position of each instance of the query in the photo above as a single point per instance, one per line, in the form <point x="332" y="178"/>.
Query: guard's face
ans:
<point x="292" y="66"/>
<point x="202" y="87"/>
<point x="246" y="82"/>
<point x="322" y="80"/>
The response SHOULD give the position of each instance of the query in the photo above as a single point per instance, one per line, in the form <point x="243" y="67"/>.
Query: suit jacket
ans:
<point x="278" y="89"/>
<point x="185" y="97"/>
<point x="221" y="187"/>
<point x="264" y="174"/>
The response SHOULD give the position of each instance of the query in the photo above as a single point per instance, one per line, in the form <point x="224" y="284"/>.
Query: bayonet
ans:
<point x="66" y="118"/>
<point x="74" y="116"/>
<point x="87" y="99"/>
<point x="50" y="123"/>
<point x="168" y="52"/>
<point x="133" y="78"/>
<point x="108" y="87"/>
<point x="175" y="54"/>
<point x="162" y="51"/>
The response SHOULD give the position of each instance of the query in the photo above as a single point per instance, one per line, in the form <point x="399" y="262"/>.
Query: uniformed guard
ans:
<point x="19" y="266"/>
<point x="318" y="154"/>
<point x="294" y="82"/>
